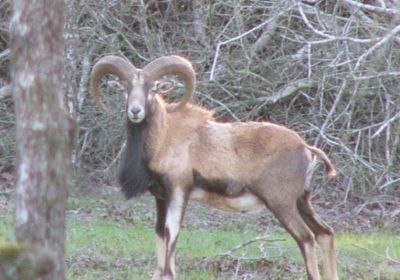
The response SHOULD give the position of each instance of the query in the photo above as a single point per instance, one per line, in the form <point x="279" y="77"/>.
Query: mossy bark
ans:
<point x="22" y="262"/>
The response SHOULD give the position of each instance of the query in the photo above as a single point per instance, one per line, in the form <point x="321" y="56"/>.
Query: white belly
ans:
<point x="244" y="203"/>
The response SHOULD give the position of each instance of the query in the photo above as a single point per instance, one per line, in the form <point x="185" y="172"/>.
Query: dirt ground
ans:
<point x="350" y="215"/>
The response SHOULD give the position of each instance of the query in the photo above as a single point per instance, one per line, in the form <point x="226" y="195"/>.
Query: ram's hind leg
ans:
<point x="285" y="210"/>
<point x="323" y="234"/>
<point x="294" y="224"/>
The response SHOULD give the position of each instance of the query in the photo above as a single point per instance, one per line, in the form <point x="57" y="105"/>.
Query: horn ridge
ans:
<point x="111" y="64"/>
<point x="174" y="65"/>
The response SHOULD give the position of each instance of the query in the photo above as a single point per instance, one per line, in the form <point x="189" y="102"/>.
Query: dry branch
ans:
<point x="380" y="43"/>
<point x="288" y="91"/>
<point x="241" y="36"/>
<point x="268" y="34"/>
<point x="371" y="8"/>
<point x="230" y="252"/>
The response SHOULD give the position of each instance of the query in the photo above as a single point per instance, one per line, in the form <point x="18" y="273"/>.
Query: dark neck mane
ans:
<point x="134" y="175"/>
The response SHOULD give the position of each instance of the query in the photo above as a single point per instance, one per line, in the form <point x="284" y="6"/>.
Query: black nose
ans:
<point x="135" y="109"/>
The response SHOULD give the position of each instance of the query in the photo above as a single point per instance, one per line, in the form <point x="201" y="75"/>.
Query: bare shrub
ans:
<point x="328" y="69"/>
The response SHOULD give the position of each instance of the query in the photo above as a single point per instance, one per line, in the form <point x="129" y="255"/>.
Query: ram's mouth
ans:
<point x="135" y="119"/>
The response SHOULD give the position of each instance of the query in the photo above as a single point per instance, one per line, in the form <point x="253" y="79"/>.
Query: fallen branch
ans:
<point x="230" y="252"/>
<point x="251" y="241"/>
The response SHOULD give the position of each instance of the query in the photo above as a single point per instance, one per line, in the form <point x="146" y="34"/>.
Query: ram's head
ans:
<point x="142" y="84"/>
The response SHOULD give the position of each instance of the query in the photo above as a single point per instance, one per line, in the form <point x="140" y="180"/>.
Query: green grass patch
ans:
<point x="369" y="255"/>
<point x="6" y="228"/>
<point x="102" y="244"/>
<point x="128" y="251"/>
<point x="97" y="247"/>
<point x="109" y="237"/>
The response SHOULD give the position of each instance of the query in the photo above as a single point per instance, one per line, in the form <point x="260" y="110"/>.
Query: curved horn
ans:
<point x="174" y="65"/>
<point x="111" y="64"/>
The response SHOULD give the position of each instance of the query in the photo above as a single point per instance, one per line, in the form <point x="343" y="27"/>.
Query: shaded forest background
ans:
<point x="327" y="69"/>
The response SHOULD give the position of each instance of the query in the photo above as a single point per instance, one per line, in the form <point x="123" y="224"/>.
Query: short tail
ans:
<point x="331" y="169"/>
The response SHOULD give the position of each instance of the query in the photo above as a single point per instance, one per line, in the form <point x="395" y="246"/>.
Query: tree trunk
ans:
<point x="71" y="43"/>
<point x="71" y="65"/>
<point x="43" y="128"/>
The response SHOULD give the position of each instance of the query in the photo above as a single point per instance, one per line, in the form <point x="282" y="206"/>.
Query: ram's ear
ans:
<point x="164" y="87"/>
<point x="119" y="86"/>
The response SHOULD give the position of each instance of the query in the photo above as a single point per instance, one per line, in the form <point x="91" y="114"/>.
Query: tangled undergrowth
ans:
<point x="327" y="69"/>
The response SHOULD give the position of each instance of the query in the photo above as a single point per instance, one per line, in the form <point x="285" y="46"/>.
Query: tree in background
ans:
<point x="43" y="128"/>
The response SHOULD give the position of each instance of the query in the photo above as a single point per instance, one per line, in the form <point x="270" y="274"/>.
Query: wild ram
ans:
<point x="180" y="152"/>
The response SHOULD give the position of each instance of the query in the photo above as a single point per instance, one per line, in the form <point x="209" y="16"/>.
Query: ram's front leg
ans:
<point x="161" y="247"/>
<point x="176" y="206"/>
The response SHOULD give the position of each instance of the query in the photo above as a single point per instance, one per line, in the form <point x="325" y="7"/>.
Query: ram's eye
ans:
<point x="154" y="89"/>
<point x="164" y="87"/>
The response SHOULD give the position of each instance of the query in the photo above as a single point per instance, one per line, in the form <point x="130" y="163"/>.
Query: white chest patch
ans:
<point x="245" y="203"/>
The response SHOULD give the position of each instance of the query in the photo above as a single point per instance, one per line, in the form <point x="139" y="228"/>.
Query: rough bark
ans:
<point x="42" y="127"/>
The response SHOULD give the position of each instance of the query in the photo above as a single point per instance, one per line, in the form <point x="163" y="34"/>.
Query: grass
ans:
<point x="369" y="256"/>
<point x="107" y="240"/>
<point x="6" y="227"/>
<point x="128" y="250"/>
